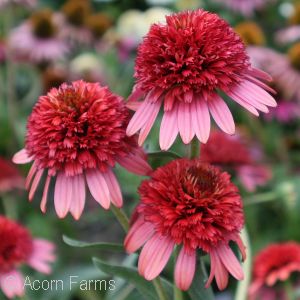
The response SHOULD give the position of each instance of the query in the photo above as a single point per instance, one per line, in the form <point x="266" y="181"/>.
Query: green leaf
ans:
<point x="99" y="246"/>
<point x="198" y="291"/>
<point x="131" y="274"/>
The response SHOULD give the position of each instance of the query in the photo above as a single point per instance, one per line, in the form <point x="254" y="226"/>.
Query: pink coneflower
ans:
<point x="10" y="177"/>
<point x="77" y="133"/>
<point x="38" y="39"/>
<point x="192" y="205"/>
<point x="17" y="248"/>
<point x="244" y="7"/>
<point x="25" y="3"/>
<point x="273" y="264"/>
<point x="181" y="66"/>
<point x="232" y="152"/>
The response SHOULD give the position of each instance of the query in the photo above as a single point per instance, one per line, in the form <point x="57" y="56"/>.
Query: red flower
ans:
<point x="77" y="132"/>
<point x="10" y="177"/>
<point x="274" y="263"/>
<point x="17" y="247"/>
<point x="194" y="205"/>
<point x="231" y="151"/>
<point x="182" y="65"/>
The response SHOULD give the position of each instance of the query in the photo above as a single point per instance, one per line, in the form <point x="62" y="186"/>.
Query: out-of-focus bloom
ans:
<point x="231" y="152"/>
<point x="192" y="205"/>
<point x="76" y="13"/>
<point x="17" y="248"/>
<point x="274" y="263"/>
<point x="98" y="24"/>
<point x="244" y="7"/>
<point x="87" y="66"/>
<point x="188" y="4"/>
<point x="25" y="3"/>
<point x="285" y="112"/>
<point x="251" y="33"/>
<point x="10" y="177"/>
<point x="181" y="66"/>
<point x="2" y="51"/>
<point x="77" y="133"/>
<point x="38" y="39"/>
<point x="54" y="76"/>
<point x="284" y="68"/>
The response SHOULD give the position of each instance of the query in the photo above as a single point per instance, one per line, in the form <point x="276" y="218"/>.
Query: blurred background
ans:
<point x="47" y="42"/>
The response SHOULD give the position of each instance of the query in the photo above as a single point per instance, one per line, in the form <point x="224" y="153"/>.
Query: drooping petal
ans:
<point x="98" y="187"/>
<point x="137" y="235"/>
<point x="12" y="284"/>
<point x="22" y="157"/>
<point x="45" y="194"/>
<point x="230" y="262"/>
<point x="213" y="258"/>
<point x="221" y="114"/>
<point x="243" y="103"/>
<point x="133" y="102"/>
<point x="185" y="269"/>
<point x="168" y="128"/>
<point x="154" y="256"/>
<point x="30" y="175"/>
<point x="114" y="188"/>
<point x="260" y="74"/>
<point x="63" y="194"/>
<point x="221" y="273"/>
<point x="78" y="201"/>
<point x="185" y="126"/>
<point x="200" y="119"/>
<point x="35" y="183"/>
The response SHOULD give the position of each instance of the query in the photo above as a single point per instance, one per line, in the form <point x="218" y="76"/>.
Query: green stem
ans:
<point x="124" y="221"/>
<point x="243" y="285"/>
<point x="121" y="217"/>
<point x="288" y="288"/>
<point x="260" y="198"/>
<point x="177" y="292"/>
<point x="9" y="207"/>
<point x="193" y="149"/>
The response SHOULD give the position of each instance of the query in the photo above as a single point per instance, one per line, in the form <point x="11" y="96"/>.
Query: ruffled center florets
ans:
<point x="15" y="245"/>
<point x="76" y="127"/>
<point x="193" y="203"/>
<point x="195" y="51"/>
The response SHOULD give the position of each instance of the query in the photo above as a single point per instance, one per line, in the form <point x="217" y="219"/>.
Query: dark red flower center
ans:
<point x="15" y="244"/>
<point x="194" y="203"/>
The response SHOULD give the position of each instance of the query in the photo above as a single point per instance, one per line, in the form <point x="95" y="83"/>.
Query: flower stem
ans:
<point x="260" y="198"/>
<point x="177" y="292"/>
<point x="242" y="288"/>
<point x="121" y="217"/>
<point x="193" y="149"/>
<point x="124" y="222"/>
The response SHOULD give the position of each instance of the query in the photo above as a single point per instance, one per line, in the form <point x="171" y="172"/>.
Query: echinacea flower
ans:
<point x="76" y="133"/>
<point x="232" y="152"/>
<point x="250" y="33"/>
<point x="181" y="66"/>
<point x="38" y="39"/>
<point x="10" y="177"/>
<point x="273" y="264"/>
<point x="17" y="248"/>
<point x="192" y="205"/>
<point x="98" y="24"/>
<point x="244" y="7"/>
<point x="24" y="3"/>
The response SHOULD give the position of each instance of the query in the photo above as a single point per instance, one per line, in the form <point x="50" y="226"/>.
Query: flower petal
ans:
<point x="21" y="157"/>
<point x="78" y="201"/>
<point x="12" y="284"/>
<point x="114" y="188"/>
<point x="185" y="126"/>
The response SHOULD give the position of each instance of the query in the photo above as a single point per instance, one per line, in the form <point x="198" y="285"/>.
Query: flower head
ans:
<point x="272" y="264"/>
<point x="251" y="33"/>
<point x="38" y="39"/>
<point x="195" y="206"/>
<point x="18" y="247"/>
<point x="232" y="152"/>
<point x="182" y="65"/>
<point x="76" y="11"/>
<point x="98" y="24"/>
<point x="78" y="131"/>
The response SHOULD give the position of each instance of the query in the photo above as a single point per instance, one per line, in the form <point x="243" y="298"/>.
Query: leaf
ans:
<point x="99" y="246"/>
<point x="198" y="291"/>
<point x="170" y="154"/>
<point x="131" y="274"/>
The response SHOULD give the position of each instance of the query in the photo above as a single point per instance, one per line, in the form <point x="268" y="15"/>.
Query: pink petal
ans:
<point x="221" y="114"/>
<point x="63" y="194"/>
<point x="221" y="273"/>
<point x="30" y="175"/>
<point x="21" y="157"/>
<point x="243" y="103"/>
<point x="137" y="235"/>
<point x="78" y="201"/>
<point x="45" y="194"/>
<point x="241" y="246"/>
<point x="135" y="162"/>
<point x="260" y="84"/>
<point x="168" y="128"/>
<point x="142" y="115"/>
<point x="230" y="262"/>
<point x="98" y="187"/>
<point x="114" y="188"/>
<point x="185" y="269"/>
<point x="154" y="256"/>
<point x="35" y="183"/>
<point x="134" y="97"/>
<point x="12" y="284"/>
<point x="185" y="126"/>
<point x="260" y="74"/>
<point x="200" y="119"/>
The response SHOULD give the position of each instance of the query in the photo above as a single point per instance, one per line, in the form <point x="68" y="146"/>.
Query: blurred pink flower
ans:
<point x="17" y="248"/>
<point x="26" y="3"/>
<point x="244" y="7"/>
<point x="285" y="112"/>
<point x="39" y="39"/>
<point x="288" y="35"/>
